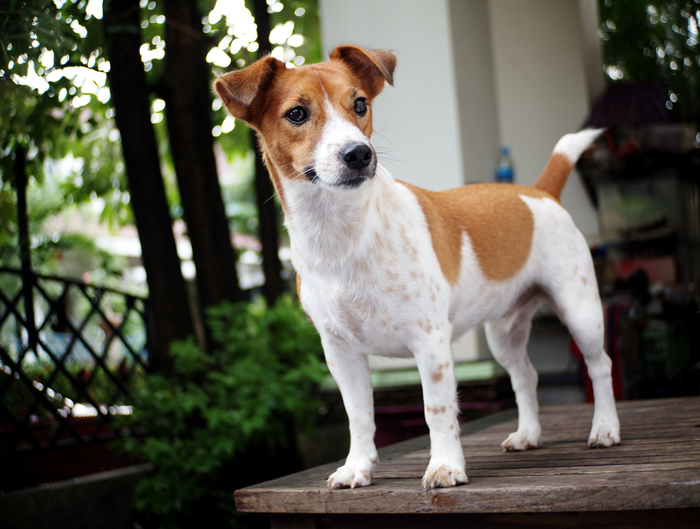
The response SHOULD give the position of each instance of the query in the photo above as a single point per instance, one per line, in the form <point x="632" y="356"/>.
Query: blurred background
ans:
<point x="152" y="355"/>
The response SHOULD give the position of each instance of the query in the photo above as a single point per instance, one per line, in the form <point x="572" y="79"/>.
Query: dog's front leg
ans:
<point x="434" y="360"/>
<point x="351" y="372"/>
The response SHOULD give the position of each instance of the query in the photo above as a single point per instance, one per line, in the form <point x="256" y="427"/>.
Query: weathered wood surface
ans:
<point x="656" y="468"/>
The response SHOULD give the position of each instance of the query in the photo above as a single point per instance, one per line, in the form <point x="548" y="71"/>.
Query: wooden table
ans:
<point x="651" y="480"/>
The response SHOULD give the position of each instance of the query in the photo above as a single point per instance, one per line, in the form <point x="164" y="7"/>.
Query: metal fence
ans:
<point x="70" y="354"/>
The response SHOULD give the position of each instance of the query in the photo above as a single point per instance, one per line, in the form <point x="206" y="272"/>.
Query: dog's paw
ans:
<point x="604" y="435"/>
<point x="350" y="476"/>
<point x="521" y="440"/>
<point x="444" y="476"/>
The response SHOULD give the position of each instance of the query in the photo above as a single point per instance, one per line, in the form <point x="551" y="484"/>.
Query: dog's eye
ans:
<point x="297" y="115"/>
<point x="361" y="106"/>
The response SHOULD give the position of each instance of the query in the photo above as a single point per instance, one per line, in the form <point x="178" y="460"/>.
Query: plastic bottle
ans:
<point x="505" y="173"/>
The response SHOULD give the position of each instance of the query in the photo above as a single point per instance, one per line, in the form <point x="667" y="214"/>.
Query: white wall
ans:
<point x="476" y="91"/>
<point x="589" y="20"/>
<point x="472" y="75"/>
<point x="416" y="122"/>
<point x="541" y="88"/>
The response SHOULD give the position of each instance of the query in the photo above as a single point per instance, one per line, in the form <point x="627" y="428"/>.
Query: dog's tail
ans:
<point x="564" y="157"/>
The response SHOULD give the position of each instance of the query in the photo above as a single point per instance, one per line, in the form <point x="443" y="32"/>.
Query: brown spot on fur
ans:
<point x="498" y="222"/>
<point x="436" y="376"/>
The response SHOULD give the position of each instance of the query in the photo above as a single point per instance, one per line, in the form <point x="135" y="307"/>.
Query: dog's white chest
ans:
<point x="378" y="287"/>
<point x="367" y="304"/>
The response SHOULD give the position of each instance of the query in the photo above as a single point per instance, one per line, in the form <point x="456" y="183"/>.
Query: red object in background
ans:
<point x="29" y="468"/>
<point x="613" y="313"/>
<point x="656" y="268"/>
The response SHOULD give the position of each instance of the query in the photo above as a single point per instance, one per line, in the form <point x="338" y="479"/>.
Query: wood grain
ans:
<point x="657" y="468"/>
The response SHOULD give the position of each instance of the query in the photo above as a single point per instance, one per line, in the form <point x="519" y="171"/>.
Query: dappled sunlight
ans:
<point x="665" y="36"/>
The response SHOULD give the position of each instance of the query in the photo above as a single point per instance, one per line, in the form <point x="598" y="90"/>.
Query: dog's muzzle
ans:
<point x="357" y="156"/>
<point x="360" y="164"/>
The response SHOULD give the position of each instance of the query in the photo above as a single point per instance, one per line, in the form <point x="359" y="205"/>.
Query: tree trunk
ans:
<point x="188" y="110"/>
<point x="130" y="96"/>
<point x="25" y="253"/>
<point x="264" y="192"/>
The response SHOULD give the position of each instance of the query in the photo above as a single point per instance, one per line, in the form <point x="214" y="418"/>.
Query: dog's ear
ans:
<point x="371" y="66"/>
<point x="242" y="91"/>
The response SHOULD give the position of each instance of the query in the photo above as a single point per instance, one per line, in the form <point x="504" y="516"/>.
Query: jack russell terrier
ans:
<point x="384" y="267"/>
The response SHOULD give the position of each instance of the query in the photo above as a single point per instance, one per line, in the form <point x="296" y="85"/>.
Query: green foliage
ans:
<point x="56" y="105"/>
<point x="22" y="23"/>
<point x="655" y="41"/>
<point x="221" y="404"/>
<point x="54" y="108"/>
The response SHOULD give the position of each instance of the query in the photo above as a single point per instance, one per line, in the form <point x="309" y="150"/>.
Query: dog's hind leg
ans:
<point x="581" y="311"/>
<point x="507" y="338"/>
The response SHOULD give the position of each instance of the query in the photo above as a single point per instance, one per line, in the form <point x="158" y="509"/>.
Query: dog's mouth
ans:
<point x="348" y="179"/>
<point x="356" y="181"/>
<point x="310" y="174"/>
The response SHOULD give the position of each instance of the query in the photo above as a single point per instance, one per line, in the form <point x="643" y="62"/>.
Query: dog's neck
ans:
<point x="331" y="225"/>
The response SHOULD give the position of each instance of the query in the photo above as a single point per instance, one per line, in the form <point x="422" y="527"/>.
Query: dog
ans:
<point x="384" y="267"/>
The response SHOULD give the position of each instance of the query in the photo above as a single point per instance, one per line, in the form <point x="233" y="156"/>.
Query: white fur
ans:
<point x="372" y="284"/>
<point x="572" y="145"/>
<point x="337" y="133"/>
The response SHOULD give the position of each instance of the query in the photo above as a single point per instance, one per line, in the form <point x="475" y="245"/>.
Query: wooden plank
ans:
<point x="532" y="472"/>
<point x="559" y="455"/>
<point x="656" y="467"/>
<point x="489" y="495"/>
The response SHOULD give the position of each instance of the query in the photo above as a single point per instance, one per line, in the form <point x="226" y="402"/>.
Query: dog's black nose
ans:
<point x="357" y="155"/>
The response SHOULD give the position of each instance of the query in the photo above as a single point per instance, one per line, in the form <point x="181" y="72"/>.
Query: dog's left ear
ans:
<point x="373" y="67"/>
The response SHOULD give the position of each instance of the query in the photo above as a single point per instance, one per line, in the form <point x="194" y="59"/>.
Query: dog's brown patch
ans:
<point x="497" y="221"/>
<point x="555" y="174"/>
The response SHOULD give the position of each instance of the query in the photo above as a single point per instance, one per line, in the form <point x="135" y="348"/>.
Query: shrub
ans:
<point x="226" y="413"/>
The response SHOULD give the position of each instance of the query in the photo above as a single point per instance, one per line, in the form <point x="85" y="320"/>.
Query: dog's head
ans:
<point x="314" y="121"/>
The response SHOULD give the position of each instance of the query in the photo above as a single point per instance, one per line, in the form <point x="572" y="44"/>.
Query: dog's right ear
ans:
<point x="242" y="90"/>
